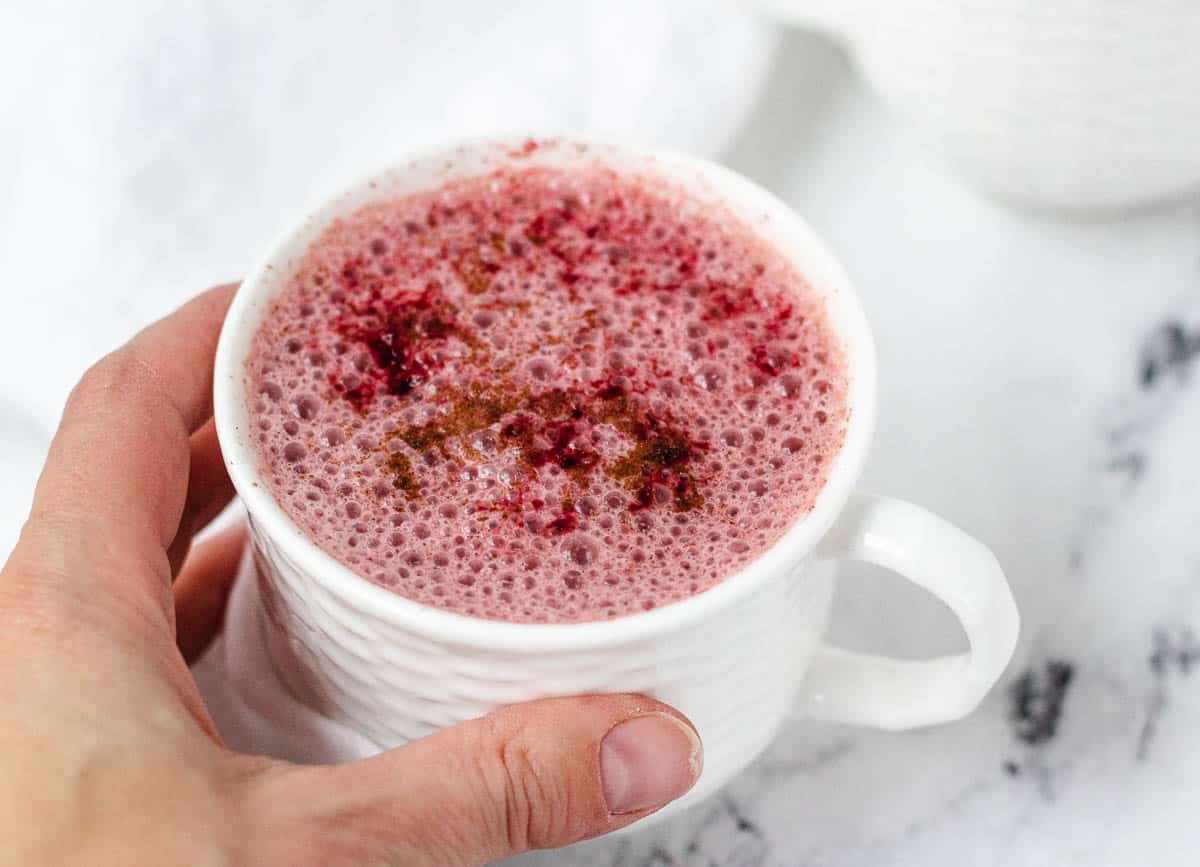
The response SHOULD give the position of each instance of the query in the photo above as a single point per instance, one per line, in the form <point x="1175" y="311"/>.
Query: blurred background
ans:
<point x="1009" y="185"/>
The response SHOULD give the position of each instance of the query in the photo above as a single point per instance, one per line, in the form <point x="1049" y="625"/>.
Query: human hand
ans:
<point x="107" y="753"/>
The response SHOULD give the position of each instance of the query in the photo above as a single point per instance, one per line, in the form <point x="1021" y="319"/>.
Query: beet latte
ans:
<point x="547" y="396"/>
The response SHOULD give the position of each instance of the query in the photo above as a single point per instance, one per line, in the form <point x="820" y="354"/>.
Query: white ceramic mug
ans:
<point x="1069" y="104"/>
<point x="738" y="659"/>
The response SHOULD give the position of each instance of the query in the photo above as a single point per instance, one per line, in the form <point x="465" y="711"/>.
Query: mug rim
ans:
<point x="798" y="541"/>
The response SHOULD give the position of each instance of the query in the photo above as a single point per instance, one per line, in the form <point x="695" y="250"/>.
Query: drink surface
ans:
<point x="546" y="396"/>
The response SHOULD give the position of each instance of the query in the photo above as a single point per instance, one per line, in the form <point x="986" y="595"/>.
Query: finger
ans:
<point x="202" y="590"/>
<point x="533" y="776"/>
<point x="209" y="491"/>
<point x="114" y="487"/>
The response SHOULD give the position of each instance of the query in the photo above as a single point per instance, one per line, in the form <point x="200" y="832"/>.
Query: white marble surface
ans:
<point x="1014" y="352"/>
<point x="1038" y="389"/>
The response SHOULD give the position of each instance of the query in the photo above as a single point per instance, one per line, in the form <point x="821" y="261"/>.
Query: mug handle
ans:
<point x="882" y="692"/>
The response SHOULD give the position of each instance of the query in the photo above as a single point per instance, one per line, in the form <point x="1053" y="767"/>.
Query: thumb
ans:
<point x="531" y="776"/>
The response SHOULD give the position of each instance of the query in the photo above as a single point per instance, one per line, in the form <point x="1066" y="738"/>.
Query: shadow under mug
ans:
<point x="738" y="659"/>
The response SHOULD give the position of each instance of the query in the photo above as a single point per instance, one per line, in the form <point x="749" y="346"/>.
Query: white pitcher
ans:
<point x="1070" y="104"/>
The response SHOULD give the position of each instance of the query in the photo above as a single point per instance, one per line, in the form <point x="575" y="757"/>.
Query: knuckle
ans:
<point x="525" y="802"/>
<point x="122" y="381"/>
<point x="534" y="798"/>
<point x="119" y="376"/>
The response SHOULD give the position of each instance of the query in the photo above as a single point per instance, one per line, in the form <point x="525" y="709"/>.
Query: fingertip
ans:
<point x="202" y="590"/>
<point x="648" y="761"/>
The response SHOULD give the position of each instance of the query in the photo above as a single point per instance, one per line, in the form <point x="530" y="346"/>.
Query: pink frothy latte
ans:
<point x="546" y="396"/>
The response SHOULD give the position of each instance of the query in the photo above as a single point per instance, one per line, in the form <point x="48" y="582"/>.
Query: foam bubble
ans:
<point x="581" y="550"/>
